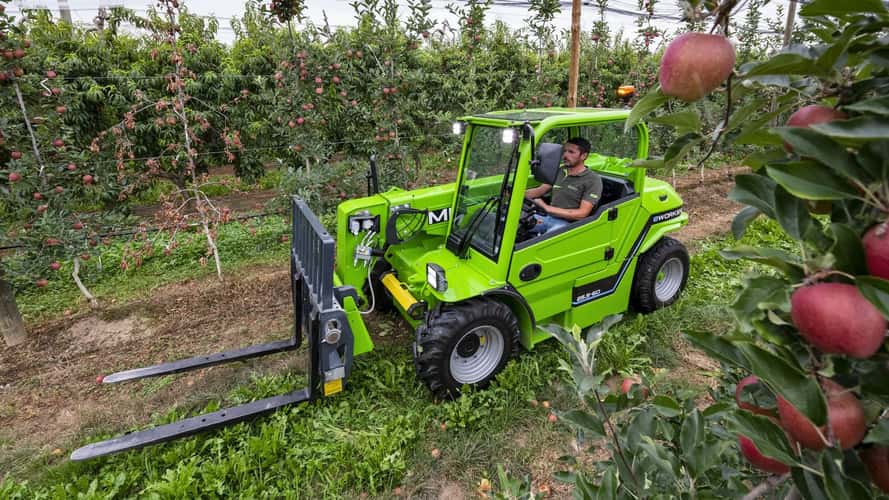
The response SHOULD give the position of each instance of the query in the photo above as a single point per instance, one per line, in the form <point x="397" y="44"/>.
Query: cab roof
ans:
<point x="536" y="116"/>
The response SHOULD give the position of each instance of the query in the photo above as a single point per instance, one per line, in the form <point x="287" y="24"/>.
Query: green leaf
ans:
<point x="642" y="425"/>
<point x="838" y="483"/>
<point x="650" y="163"/>
<point x="719" y="348"/>
<point x="769" y="438"/>
<point x="847" y="250"/>
<point x="865" y="128"/>
<point x="657" y="455"/>
<point x="757" y="137"/>
<point x="683" y="121"/>
<point x="787" y="64"/>
<point x="879" y="434"/>
<point x="755" y="190"/>
<point x="809" y="485"/>
<point x="680" y="147"/>
<point x="811" y="181"/>
<point x="783" y="261"/>
<point x="692" y="433"/>
<point x="742" y="220"/>
<point x="874" y="158"/>
<point x="837" y="8"/>
<point x="792" y="213"/>
<point x="877" y="106"/>
<point x="760" y="293"/>
<point x="876" y="290"/>
<point x="810" y="143"/>
<point x="667" y="406"/>
<point x="644" y="106"/>
<point x="785" y="377"/>
<point x="586" y="422"/>
<point x="758" y="159"/>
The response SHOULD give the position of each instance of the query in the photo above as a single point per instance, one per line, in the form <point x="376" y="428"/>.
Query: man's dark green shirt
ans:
<point x="570" y="190"/>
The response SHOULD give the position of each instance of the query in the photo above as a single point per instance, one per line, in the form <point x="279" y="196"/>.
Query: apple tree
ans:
<point x="48" y="189"/>
<point x="812" y="414"/>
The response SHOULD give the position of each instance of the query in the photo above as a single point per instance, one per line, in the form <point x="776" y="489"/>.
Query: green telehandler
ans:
<point x="462" y="266"/>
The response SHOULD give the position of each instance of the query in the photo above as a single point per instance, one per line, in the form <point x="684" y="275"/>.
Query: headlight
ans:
<point x="458" y="128"/>
<point x="508" y="135"/>
<point x="435" y="276"/>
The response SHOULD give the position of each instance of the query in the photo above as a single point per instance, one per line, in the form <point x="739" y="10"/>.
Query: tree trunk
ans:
<point x="11" y="325"/>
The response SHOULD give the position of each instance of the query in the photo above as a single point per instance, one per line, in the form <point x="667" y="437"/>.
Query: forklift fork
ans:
<point x="318" y="317"/>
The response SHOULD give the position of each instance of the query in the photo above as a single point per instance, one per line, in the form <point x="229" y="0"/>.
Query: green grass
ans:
<point x="379" y="433"/>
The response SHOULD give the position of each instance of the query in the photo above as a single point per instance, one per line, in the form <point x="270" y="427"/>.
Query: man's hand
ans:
<point x="541" y="204"/>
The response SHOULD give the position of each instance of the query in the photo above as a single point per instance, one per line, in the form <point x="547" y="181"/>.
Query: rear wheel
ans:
<point x="466" y="343"/>
<point x="661" y="275"/>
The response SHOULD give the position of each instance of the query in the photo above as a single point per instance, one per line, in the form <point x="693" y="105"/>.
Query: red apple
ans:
<point x="77" y="226"/>
<point x="71" y="167"/>
<point x="59" y="189"/>
<point x="750" y="380"/>
<point x="318" y="79"/>
<point x="84" y="256"/>
<point x="813" y="115"/>
<point x="19" y="53"/>
<point x="876" y="250"/>
<point x="14" y="177"/>
<point x="41" y="283"/>
<point x="37" y="196"/>
<point x="627" y="385"/>
<point x="876" y="459"/>
<point x="300" y="120"/>
<point x="758" y="460"/>
<point x="87" y="179"/>
<point x="61" y="109"/>
<point x="50" y="74"/>
<point x="694" y="64"/>
<point x="51" y="242"/>
<point x="845" y="416"/>
<point x="836" y="318"/>
<point x="319" y="90"/>
<point x="58" y="143"/>
<point x="42" y="208"/>
<point x="16" y="155"/>
<point x="55" y="266"/>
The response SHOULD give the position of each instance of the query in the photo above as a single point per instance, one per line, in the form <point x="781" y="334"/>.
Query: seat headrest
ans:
<point x="550" y="157"/>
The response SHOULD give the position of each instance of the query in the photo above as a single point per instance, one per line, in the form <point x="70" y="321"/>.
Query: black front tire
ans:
<point x="661" y="274"/>
<point x="465" y="343"/>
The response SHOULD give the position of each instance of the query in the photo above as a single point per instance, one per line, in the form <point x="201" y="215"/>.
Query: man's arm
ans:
<point x="538" y="191"/>
<point x="572" y="214"/>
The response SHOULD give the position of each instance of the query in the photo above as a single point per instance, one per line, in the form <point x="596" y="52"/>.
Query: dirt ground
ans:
<point x="49" y="395"/>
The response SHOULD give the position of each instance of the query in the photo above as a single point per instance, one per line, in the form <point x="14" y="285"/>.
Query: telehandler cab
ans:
<point x="460" y="264"/>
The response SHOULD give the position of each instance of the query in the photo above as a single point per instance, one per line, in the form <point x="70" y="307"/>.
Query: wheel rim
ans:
<point x="476" y="355"/>
<point x="669" y="279"/>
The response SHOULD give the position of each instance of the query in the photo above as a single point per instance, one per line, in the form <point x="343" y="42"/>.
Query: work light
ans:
<point x="435" y="276"/>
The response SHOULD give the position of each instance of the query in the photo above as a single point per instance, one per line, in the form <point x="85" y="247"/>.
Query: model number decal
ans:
<point x="672" y="214"/>
<point x="440" y="215"/>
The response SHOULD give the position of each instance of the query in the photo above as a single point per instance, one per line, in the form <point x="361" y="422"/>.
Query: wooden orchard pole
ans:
<point x="574" y="68"/>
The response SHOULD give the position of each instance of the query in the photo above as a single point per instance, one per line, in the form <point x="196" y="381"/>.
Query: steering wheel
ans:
<point x="527" y="221"/>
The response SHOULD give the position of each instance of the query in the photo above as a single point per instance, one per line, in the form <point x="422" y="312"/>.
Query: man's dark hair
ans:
<point x="581" y="143"/>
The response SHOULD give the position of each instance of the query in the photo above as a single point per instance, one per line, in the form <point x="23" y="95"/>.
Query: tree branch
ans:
<point x="765" y="487"/>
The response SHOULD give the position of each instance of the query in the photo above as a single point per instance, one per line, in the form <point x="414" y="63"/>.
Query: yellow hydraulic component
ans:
<point x="398" y="291"/>
<point x="413" y="307"/>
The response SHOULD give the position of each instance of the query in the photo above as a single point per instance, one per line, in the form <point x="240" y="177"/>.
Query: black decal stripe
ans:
<point x="578" y="292"/>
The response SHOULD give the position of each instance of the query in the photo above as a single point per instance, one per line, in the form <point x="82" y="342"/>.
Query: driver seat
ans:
<point x="549" y="158"/>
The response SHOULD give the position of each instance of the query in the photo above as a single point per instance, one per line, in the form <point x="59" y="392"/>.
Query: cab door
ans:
<point x="546" y="269"/>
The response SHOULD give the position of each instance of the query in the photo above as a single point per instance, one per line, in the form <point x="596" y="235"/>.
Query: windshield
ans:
<point x="484" y="191"/>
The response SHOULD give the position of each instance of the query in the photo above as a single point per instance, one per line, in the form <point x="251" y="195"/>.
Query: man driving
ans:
<point x="575" y="193"/>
